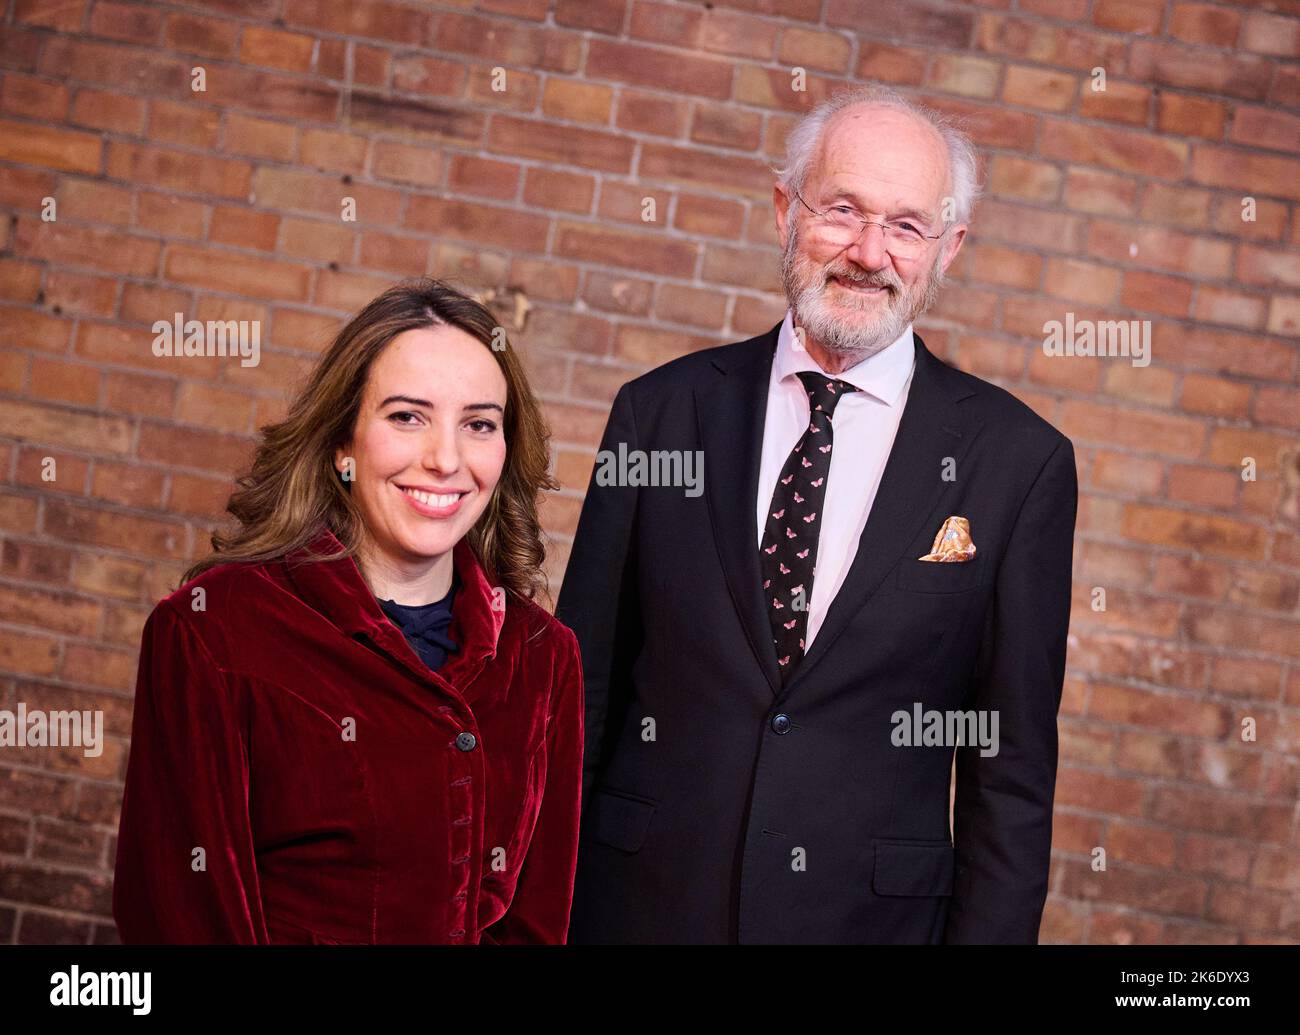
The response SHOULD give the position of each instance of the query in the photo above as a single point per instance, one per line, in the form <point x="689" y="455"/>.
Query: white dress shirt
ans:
<point x="864" y="422"/>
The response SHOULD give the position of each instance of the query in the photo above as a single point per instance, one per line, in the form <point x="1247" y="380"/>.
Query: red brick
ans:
<point x="721" y="125"/>
<point x="517" y="91"/>
<point x="599" y="15"/>
<point x="65" y="15"/>
<point x="67" y="150"/>
<point x="961" y="74"/>
<point x="1252" y="174"/>
<point x="178" y="170"/>
<point x="1204" y="23"/>
<point x="647" y="113"/>
<point x="1156" y="293"/>
<point x="1216" y="305"/>
<point x="904" y="66"/>
<point x="1168" y="64"/>
<point x="1191" y="116"/>
<point x="185" y="123"/>
<point x="1215" y="396"/>
<point x="1272" y="34"/>
<point x="219" y="271"/>
<point x="1219" y="536"/>
<point x="309" y="192"/>
<point x="1141" y="16"/>
<point x="94" y="201"/>
<point x="260" y="138"/>
<point x="1161" y="249"/>
<point x="1039" y="88"/>
<point x="1119" y="102"/>
<point x="577" y="101"/>
<point x="661" y="69"/>
<point x="779" y="88"/>
<point x="1118" y="149"/>
<point x="207" y="37"/>
<point x="1262" y="127"/>
<point x="914" y="23"/>
<point x="484" y="177"/>
<point x="591" y="242"/>
<point x="827" y="51"/>
<point x="332" y="152"/>
<point x="406" y="164"/>
<point x="407" y="256"/>
<point x="675" y="303"/>
<point x="631" y="203"/>
<point x="377" y="19"/>
<point x="741" y="35"/>
<point x="371" y="66"/>
<point x="274" y="48"/>
<point x="618" y="293"/>
<point x="325" y="242"/>
<point x="101" y="109"/>
<point x="582" y="147"/>
<point x="274" y="94"/>
<point x="438" y="76"/>
<point x="244" y="227"/>
<point x="1049" y="44"/>
<point x="700" y="169"/>
<point x="502" y="43"/>
<point x="483" y="224"/>
<point x="1187" y="207"/>
<point x="544" y="279"/>
<point x="1257" y="265"/>
<point x="1023" y="178"/>
<point x="107" y="250"/>
<point x="33" y="98"/>
<point x="712" y="217"/>
<point x="169" y="215"/>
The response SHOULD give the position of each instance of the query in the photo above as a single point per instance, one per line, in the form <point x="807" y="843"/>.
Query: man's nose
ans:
<point x="868" y="249"/>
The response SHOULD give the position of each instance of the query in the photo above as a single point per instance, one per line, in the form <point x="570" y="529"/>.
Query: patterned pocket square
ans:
<point x="953" y="543"/>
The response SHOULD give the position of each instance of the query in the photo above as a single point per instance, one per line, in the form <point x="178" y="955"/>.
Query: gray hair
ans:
<point x="802" y="143"/>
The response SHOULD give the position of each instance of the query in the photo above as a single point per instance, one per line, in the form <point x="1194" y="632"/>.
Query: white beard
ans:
<point x="805" y="290"/>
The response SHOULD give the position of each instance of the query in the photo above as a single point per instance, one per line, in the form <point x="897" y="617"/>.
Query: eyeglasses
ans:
<point x="840" y="225"/>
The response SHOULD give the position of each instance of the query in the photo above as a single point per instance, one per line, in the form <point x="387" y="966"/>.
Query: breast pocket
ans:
<point x="940" y="576"/>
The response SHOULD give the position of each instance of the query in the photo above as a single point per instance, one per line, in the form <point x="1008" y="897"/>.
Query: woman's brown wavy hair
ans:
<point x="293" y="488"/>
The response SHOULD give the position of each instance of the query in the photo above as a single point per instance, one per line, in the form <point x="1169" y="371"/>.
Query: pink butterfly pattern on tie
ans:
<point x="789" y="550"/>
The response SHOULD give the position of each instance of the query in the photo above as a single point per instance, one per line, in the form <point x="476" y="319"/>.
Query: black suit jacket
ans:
<point x="704" y="819"/>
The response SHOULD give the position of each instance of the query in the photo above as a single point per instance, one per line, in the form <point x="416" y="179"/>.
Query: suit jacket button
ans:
<point x="466" y="741"/>
<point x="781" y="723"/>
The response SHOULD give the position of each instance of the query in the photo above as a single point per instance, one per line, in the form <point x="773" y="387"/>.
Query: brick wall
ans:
<point x="226" y="203"/>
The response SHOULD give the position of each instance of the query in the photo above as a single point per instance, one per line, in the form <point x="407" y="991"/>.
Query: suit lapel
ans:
<point x="932" y="428"/>
<point x="730" y="413"/>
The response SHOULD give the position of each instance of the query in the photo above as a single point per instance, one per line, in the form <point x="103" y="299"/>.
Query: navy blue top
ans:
<point x="426" y="626"/>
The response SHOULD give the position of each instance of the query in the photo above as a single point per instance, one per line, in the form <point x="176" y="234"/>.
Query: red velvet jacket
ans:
<point x="340" y="791"/>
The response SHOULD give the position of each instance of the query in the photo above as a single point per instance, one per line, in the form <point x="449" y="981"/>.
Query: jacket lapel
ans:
<point x="336" y="589"/>
<point x="730" y="413"/>
<point x="932" y="428"/>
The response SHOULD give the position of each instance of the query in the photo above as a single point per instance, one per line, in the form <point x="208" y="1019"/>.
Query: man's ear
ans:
<point x="952" y="244"/>
<point x="781" y="205"/>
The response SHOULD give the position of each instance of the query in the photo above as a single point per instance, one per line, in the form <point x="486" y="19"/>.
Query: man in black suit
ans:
<point x="770" y="745"/>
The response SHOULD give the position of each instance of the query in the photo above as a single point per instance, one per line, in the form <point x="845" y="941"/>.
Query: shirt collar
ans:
<point x="338" y="591"/>
<point x="881" y="376"/>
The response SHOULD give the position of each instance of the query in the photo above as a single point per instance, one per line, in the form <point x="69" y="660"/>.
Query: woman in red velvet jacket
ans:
<point x="352" y="722"/>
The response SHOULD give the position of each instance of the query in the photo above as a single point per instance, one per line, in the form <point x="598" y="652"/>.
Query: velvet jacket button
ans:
<point x="781" y="723"/>
<point x="466" y="741"/>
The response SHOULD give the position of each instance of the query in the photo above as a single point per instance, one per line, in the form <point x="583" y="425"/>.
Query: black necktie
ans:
<point x="789" y="551"/>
